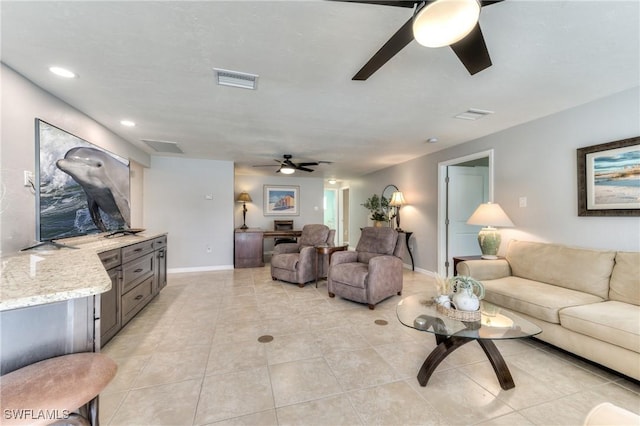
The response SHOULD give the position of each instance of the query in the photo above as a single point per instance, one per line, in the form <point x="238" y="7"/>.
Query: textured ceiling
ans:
<point x="152" y="62"/>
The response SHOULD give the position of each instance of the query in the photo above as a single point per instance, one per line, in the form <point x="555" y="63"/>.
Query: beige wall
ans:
<point x="536" y="160"/>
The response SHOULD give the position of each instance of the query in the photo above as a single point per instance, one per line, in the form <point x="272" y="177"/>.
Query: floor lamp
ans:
<point x="244" y="198"/>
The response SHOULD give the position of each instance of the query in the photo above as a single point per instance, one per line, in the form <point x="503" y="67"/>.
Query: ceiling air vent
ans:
<point x="473" y="114"/>
<point x="164" y="146"/>
<point x="236" y="79"/>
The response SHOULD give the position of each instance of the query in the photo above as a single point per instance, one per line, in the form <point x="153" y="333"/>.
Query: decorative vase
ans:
<point x="466" y="300"/>
<point x="378" y="224"/>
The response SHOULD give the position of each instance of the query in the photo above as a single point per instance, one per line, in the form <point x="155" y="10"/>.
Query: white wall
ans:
<point x="536" y="160"/>
<point x="22" y="102"/>
<point x="175" y="200"/>
<point x="311" y="201"/>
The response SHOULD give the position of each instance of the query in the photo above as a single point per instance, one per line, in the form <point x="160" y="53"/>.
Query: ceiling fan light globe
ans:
<point x="445" y="22"/>
<point x="287" y="170"/>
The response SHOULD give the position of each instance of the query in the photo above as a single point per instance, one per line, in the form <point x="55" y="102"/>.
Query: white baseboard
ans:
<point x="200" y="269"/>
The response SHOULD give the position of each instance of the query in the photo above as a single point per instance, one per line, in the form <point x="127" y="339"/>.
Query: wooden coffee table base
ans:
<point x="446" y="345"/>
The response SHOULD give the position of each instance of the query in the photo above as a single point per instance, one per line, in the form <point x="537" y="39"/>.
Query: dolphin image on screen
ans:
<point x="104" y="179"/>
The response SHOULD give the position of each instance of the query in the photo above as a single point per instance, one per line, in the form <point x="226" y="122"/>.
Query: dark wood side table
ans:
<point x="407" y="236"/>
<point x="458" y="259"/>
<point x="326" y="250"/>
<point x="248" y="248"/>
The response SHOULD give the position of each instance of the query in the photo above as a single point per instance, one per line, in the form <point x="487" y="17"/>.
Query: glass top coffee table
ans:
<point x="419" y="312"/>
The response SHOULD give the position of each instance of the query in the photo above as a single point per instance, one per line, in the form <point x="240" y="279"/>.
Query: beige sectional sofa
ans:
<point x="585" y="301"/>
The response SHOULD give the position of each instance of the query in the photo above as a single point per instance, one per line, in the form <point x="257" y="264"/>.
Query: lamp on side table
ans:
<point x="489" y="215"/>
<point x="244" y="198"/>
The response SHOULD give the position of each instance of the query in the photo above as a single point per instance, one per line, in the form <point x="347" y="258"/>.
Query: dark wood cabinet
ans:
<point x="248" y="248"/>
<point x="110" y="302"/>
<point x="138" y="272"/>
<point x="160" y="246"/>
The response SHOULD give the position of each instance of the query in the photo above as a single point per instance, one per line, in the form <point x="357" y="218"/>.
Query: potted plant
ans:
<point x="376" y="205"/>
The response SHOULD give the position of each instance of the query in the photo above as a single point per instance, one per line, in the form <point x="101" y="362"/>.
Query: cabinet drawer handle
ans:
<point x="109" y="259"/>
<point x="138" y="297"/>
<point x="137" y="271"/>
<point x="138" y="249"/>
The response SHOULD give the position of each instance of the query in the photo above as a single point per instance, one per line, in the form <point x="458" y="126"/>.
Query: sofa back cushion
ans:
<point x="574" y="268"/>
<point x="625" y="278"/>
<point x="375" y="242"/>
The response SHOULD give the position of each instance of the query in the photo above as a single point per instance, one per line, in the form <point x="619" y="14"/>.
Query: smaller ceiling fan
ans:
<point x="288" y="167"/>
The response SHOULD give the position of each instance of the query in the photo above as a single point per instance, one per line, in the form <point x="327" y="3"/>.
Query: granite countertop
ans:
<point x="42" y="276"/>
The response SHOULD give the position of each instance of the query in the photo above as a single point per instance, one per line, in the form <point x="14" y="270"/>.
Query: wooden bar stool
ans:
<point x="51" y="391"/>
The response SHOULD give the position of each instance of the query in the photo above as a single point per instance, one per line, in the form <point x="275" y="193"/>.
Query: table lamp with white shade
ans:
<point x="489" y="215"/>
<point x="397" y="200"/>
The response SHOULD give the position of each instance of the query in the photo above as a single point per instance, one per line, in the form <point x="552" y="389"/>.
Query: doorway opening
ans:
<point x="463" y="184"/>
<point x="344" y="216"/>
<point x="331" y="208"/>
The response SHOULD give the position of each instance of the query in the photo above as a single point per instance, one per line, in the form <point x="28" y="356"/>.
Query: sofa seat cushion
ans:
<point x="539" y="300"/>
<point x="288" y="261"/>
<point x="613" y="322"/>
<point x="353" y="274"/>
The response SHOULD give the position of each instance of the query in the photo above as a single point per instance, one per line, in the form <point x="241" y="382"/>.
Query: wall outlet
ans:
<point x="522" y="201"/>
<point x="208" y="249"/>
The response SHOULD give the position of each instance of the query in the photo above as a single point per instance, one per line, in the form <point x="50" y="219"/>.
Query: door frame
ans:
<point x="442" y="200"/>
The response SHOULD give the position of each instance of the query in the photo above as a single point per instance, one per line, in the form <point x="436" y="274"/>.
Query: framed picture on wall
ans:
<point x="281" y="200"/>
<point x="609" y="179"/>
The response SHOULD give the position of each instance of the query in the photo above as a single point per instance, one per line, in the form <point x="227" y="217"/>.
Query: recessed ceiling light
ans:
<point x="62" y="72"/>
<point x="332" y="181"/>
<point x="432" y="140"/>
<point x="127" y="123"/>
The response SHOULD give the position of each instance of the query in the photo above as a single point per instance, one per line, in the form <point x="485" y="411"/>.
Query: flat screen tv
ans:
<point x="80" y="188"/>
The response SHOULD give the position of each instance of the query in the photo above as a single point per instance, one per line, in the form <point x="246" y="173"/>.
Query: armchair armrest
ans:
<point x="344" y="257"/>
<point x="385" y="276"/>
<point x="485" y="269"/>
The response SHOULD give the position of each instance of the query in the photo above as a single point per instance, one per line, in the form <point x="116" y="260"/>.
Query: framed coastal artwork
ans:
<point x="609" y="179"/>
<point x="281" y="200"/>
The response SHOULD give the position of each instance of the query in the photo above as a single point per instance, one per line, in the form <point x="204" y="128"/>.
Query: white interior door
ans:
<point x="468" y="187"/>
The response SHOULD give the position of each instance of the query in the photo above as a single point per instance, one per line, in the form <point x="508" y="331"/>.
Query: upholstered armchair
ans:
<point x="296" y="262"/>
<point x="371" y="273"/>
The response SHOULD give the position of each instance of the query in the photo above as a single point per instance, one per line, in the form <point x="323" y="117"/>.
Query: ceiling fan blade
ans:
<point x="263" y="165"/>
<point x="490" y="2"/>
<point x="472" y="51"/>
<point x="307" y="164"/>
<point x="395" y="44"/>
<point x="304" y="169"/>
<point x="408" y="4"/>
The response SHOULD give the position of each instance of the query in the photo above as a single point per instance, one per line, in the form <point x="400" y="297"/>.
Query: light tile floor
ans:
<point x="192" y="357"/>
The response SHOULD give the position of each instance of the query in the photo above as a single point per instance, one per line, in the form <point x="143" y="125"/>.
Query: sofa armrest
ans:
<point x="608" y="414"/>
<point x="343" y="257"/>
<point x="484" y="269"/>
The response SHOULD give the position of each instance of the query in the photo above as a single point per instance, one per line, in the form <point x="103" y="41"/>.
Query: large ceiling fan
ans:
<point x="288" y="167"/>
<point x="435" y="23"/>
